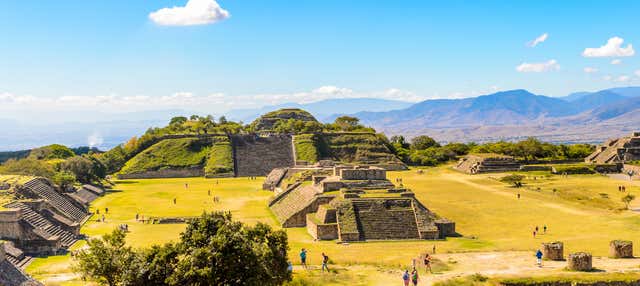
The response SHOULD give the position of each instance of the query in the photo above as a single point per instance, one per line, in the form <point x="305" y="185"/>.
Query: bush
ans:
<point x="513" y="179"/>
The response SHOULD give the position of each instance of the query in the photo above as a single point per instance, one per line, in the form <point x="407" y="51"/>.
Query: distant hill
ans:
<point x="516" y="114"/>
<point x="324" y="109"/>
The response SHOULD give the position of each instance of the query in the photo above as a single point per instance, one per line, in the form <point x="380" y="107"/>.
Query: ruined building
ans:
<point x="37" y="219"/>
<point x="487" y="163"/>
<point x="618" y="150"/>
<point x="351" y="203"/>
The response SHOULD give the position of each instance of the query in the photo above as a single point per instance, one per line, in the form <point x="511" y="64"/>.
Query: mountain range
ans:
<point x="589" y="117"/>
<point x="516" y="114"/>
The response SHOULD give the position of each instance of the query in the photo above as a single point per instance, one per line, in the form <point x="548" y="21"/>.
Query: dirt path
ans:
<point x="516" y="263"/>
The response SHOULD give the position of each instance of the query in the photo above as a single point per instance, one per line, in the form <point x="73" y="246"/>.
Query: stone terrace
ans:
<point x="356" y="203"/>
<point x="487" y="163"/>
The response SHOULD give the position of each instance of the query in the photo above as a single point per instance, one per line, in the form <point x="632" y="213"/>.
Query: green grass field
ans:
<point x="487" y="213"/>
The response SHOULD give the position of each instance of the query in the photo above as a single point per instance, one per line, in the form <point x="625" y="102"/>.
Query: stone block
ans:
<point x="621" y="249"/>
<point x="553" y="251"/>
<point x="580" y="261"/>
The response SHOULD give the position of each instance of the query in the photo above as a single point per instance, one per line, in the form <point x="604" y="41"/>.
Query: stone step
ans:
<point x="56" y="200"/>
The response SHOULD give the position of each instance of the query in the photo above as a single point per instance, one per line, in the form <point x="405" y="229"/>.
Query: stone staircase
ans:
<point x="62" y="204"/>
<point x="379" y="222"/>
<point x="16" y="256"/>
<point x="257" y="156"/>
<point x="43" y="226"/>
<point x="294" y="202"/>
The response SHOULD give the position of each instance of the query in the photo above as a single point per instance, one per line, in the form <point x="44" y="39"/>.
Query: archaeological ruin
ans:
<point x="38" y="219"/>
<point x="10" y="274"/>
<point x="258" y="152"/>
<point x="619" y="150"/>
<point x="487" y="163"/>
<point x="351" y="203"/>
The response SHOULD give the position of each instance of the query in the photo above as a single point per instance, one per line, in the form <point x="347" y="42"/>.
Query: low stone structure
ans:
<point x="11" y="275"/>
<point x="619" y="150"/>
<point x="354" y="203"/>
<point x="553" y="251"/>
<point x="621" y="249"/>
<point x="580" y="261"/>
<point x="487" y="163"/>
<point x="45" y="221"/>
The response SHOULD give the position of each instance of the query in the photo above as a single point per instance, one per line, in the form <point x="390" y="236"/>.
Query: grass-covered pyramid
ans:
<point x="204" y="146"/>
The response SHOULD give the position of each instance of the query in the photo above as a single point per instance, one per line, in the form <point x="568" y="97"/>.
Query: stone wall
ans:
<point x="165" y="173"/>
<point x="2" y="254"/>
<point x="321" y="231"/>
<point x="363" y="174"/>
<point x="299" y="219"/>
<point x="446" y="228"/>
<point x="257" y="156"/>
<point x="9" y="224"/>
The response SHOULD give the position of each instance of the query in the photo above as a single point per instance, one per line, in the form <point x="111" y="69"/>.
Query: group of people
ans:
<point x="536" y="231"/>
<point x="414" y="277"/>
<point x="622" y="189"/>
<point x="303" y="260"/>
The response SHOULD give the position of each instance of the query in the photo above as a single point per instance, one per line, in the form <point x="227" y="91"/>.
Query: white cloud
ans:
<point x="622" y="78"/>
<point x="590" y="70"/>
<point x="209" y="103"/>
<point x="538" y="67"/>
<point x="195" y="12"/>
<point x="607" y="77"/>
<point x="613" y="48"/>
<point x="616" y="61"/>
<point x="637" y="73"/>
<point x="538" y="40"/>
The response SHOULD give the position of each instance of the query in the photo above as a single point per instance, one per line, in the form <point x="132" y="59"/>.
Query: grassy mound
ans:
<point x="220" y="160"/>
<point x="306" y="148"/>
<point x="352" y="147"/>
<point x="170" y="154"/>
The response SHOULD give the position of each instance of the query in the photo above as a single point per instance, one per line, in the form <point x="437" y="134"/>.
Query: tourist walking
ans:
<point x="414" y="277"/>
<point x="303" y="258"/>
<point x="406" y="278"/>
<point x="539" y="257"/>
<point x="544" y="229"/>
<point x="427" y="262"/>
<point x="534" y="234"/>
<point x="325" y="262"/>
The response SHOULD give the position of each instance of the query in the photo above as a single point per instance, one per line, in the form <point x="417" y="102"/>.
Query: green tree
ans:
<point x="223" y="252"/>
<point x="54" y="151"/>
<point x="106" y="260"/>
<point x="347" y="123"/>
<point x="85" y="169"/>
<point x="423" y="142"/>
<point x="64" y="179"/>
<point x="178" y="120"/>
<point x="627" y="199"/>
<point x="514" y="179"/>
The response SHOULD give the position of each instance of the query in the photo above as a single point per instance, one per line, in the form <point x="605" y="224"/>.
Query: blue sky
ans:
<point x="113" y="56"/>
